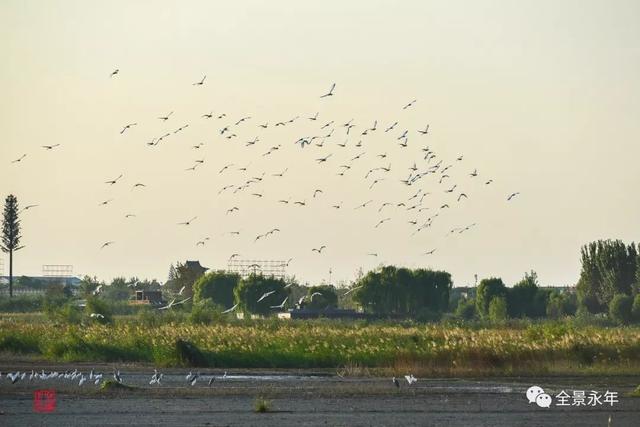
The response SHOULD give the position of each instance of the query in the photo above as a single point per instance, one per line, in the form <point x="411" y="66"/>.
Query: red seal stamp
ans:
<point x="44" y="401"/>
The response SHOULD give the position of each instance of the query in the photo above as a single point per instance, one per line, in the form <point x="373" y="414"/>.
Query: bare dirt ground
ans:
<point x="305" y="398"/>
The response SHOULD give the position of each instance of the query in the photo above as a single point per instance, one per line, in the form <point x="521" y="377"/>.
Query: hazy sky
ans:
<point x="542" y="97"/>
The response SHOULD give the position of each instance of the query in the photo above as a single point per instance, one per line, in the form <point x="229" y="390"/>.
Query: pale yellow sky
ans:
<point x="540" y="96"/>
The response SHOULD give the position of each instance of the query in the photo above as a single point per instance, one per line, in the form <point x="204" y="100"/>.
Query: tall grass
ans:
<point x="432" y="349"/>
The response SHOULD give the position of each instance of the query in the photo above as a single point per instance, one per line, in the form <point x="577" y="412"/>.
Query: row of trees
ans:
<point x="224" y="290"/>
<point x="404" y="292"/>
<point x="495" y="301"/>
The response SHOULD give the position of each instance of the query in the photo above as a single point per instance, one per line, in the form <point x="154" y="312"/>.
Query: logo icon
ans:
<point x="44" y="401"/>
<point x="537" y="395"/>
<point x="543" y="400"/>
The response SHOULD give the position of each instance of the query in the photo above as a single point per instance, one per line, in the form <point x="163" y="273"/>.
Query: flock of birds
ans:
<point x="426" y="187"/>
<point x="96" y="378"/>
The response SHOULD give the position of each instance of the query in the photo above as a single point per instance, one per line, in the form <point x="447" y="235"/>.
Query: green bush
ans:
<point x="204" y="312"/>
<point x="466" y="309"/>
<point x="328" y="297"/>
<point x="620" y="308"/>
<point x="498" y="309"/>
<point x="218" y="286"/>
<point x="635" y="308"/>
<point x="21" y="304"/>
<point x="488" y="290"/>
<point x="98" y="306"/>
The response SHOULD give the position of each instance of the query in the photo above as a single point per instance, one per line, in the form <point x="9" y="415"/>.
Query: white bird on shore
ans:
<point x="82" y="380"/>
<point x="96" y="315"/>
<point x="410" y="379"/>
<point x="117" y="377"/>
<point x="395" y="382"/>
<point x="13" y="376"/>
<point x="155" y="378"/>
<point x="211" y="380"/>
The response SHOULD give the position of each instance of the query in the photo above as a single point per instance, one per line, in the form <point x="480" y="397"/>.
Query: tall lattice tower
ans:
<point x="57" y="270"/>
<point x="246" y="267"/>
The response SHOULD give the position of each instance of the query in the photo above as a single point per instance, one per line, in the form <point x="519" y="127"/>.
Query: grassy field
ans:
<point x="350" y="347"/>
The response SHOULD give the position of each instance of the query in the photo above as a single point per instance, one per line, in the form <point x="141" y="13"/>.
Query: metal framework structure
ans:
<point x="55" y="270"/>
<point x="246" y="267"/>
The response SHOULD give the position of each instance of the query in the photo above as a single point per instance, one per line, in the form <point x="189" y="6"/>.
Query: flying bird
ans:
<point x="512" y="195"/>
<point x="409" y="104"/>
<point x="20" y="159"/>
<point x="200" y="83"/>
<point x="113" y="181"/>
<point x="187" y="222"/>
<point x="165" y="118"/>
<point x="28" y="207"/>
<point x="104" y="245"/>
<point x="351" y="290"/>
<point x="50" y="147"/>
<point x="382" y="221"/>
<point x="330" y="93"/>
<point x="319" y="250"/>
<point x="265" y="295"/>
<point x="425" y="131"/>
<point x="114" y="72"/>
<point x="127" y="127"/>
<point x="230" y="309"/>
<point x="281" y="305"/>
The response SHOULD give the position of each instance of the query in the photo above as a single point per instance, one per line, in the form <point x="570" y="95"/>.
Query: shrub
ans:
<point x="466" y="309"/>
<point x="189" y="354"/>
<point x="262" y="405"/>
<point x="328" y="297"/>
<point x="204" y="312"/>
<point x="498" y="309"/>
<point x="98" y="306"/>
<point x="217" y="286"/>
<point x="488" y="289"/>
<point x="635" y="308"/>
<point x="620" y="308"/>
<point x="252" y="288"/>
<point x="21" y="304"/>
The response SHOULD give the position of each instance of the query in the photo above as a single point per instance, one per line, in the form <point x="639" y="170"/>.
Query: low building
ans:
<point x="148" y="297"/>
<point x="330" y="313"/>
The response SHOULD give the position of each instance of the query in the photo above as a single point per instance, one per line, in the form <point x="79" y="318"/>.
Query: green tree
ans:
<point x="608" y="268"/>
<point x="88" y="285"/>
<point x="556" y="305"/>
<point x="254" y="287"/>
<point x="184" y="276"/>
<point x="521" y="298"/>
<point x="635" y="309"/>
<point x="498" y="309"/>
<point x="328" y="297"/>
<point x="11" y="233"/>
<point x="391" y="290"/>
<point x="217" y="286"/>
<point x="466" y="309"/>
<point x="488" y="289"/>
<point x="620" y="308"/>
<point x="118" y="290"/>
